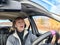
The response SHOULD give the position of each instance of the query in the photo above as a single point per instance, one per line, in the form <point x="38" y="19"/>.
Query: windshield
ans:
<point x="51" y="5"/>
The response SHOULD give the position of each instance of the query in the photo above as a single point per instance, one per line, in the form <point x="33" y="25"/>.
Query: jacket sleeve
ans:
<point x="33" y="37"/>
<point x="9" y="41"/>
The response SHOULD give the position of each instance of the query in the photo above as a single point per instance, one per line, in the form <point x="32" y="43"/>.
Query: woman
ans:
<point x="20" y="36"/>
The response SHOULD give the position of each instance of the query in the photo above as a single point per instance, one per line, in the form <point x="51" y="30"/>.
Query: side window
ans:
<point x="5" y="22"/>
<point x="27" y="22"/>
<point x="45" y="24"/>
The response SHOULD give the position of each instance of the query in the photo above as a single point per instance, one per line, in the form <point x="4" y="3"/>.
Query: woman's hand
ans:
<point x="53" y="40"/>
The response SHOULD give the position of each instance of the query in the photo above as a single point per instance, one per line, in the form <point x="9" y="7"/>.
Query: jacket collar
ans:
<point x="16" y="35"/>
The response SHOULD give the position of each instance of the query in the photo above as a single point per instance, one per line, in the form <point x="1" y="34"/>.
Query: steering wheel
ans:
<point x="44" y="36"/>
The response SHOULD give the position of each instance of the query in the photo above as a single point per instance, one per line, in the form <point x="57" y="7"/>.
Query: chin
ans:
<point x="22" y="29"/>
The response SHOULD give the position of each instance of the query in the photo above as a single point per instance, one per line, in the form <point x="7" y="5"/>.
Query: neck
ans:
<point x="20" y="31"/>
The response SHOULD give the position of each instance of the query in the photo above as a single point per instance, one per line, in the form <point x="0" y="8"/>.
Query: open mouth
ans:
<point x="21" y="26"/>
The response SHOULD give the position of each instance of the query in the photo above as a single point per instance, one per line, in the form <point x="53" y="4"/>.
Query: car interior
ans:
<point x="26" y="9"/>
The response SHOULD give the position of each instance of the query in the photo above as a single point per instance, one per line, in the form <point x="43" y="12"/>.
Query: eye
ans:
<point x="18" y="22"/>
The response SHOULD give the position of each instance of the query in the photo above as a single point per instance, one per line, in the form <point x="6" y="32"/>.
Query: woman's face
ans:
<point x="20" y="24"/>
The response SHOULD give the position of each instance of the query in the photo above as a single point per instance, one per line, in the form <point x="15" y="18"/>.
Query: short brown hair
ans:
<point x="18" y="18"/>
